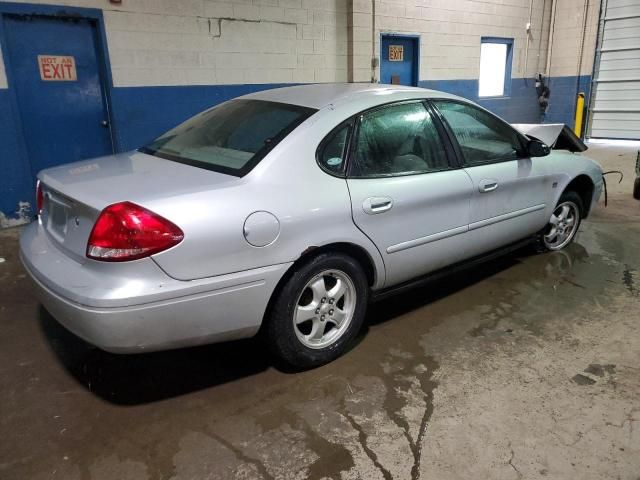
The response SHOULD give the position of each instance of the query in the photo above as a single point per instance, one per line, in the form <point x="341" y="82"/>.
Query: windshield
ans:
<point x="230" y="138"/>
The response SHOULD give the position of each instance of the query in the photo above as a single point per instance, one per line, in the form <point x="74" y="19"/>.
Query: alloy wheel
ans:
<point x="562" y="226"/>
<point x="324" y="309"/>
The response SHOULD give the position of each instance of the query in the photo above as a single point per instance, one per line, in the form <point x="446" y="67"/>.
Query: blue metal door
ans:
<point x="399" y="60"/>
<point x="54" y="68"/>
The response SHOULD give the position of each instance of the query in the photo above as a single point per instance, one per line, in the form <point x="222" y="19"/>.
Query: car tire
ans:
<point x="636" y="189"/>
<point x="318" y="311"/>
<point x="569" y="212"/>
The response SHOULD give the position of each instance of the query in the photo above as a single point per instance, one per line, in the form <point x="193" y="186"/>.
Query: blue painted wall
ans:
<point x="140" y="114"/>
<point x="521" y="106"/>
<point x="562" y="103"/>
<point x="15" y="177"/>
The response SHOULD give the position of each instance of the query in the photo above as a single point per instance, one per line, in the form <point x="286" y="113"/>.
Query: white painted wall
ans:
<point x="196" y="42"/>
<point x="450" y="33"/>
<point x="567" y="36"/>
<point x="217" y="42"/>
<point x="192" y="42"/>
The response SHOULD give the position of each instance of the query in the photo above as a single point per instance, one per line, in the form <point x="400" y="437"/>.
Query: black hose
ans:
<point x="604" y="181"/>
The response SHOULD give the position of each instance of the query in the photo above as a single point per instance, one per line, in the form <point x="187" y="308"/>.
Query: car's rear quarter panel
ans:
<point x="312" y="207"/>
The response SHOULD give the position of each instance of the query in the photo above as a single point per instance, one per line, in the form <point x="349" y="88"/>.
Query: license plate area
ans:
<point x="57" y="217"/>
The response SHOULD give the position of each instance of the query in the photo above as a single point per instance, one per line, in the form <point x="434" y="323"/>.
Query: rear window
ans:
<point x="230" y="138"/>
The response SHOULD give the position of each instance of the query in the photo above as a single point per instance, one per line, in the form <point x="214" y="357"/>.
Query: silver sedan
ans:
<point x="284" y="212"/>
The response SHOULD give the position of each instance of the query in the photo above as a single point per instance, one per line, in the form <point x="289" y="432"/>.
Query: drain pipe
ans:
<point x="596" y="66"/>
<point x="552" y="26"/>
<point x="374" y="63"/>
<point x="585" y="13"/>
<point x="538" y="53"/>
<point x="526" y="49"/>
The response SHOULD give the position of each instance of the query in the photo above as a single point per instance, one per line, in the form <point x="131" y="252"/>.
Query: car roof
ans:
<point x="321" y="95"/>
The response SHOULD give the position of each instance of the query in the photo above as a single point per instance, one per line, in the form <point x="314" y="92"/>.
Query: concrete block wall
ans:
<point x="573" y="49"/>
<point x="220" y="42"/>
<point x="451" y="32"/>
<point x="450" y="37"/>
<point x="568" y="36"/>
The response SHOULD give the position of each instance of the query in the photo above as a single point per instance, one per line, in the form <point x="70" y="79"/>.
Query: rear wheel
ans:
<point x="563" y="224"/>
<point x="318" y="311"/>
<point x="636" y="189"/>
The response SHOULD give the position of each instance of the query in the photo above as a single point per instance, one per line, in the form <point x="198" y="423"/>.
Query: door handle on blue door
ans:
<point x="373" y="205"/>
<point x="487" y="185"/>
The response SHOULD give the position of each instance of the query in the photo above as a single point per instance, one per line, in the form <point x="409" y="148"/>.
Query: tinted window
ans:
<point x="396" y="140"/>
<point x="482" y="137"/>
<point x="231" y="138"/>
<point x="332" y="152"/>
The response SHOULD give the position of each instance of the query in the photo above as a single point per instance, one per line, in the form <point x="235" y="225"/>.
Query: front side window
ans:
<point x="398" y="140"/>
<point x="482" y="137"/>
<point x="231" y="138"/>
<point x="495" y="67"/>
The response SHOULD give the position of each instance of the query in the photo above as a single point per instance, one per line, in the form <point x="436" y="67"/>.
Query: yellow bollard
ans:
<point x="577" y="129"/>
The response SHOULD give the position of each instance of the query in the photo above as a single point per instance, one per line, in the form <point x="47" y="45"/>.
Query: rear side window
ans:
<point x="482" y="137"/>
<point x="332" y="152"/>
<point x="398" y="140"/>
<point x="231" y="138"/>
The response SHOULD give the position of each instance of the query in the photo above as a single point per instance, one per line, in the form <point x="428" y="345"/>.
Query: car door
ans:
<point x="406" y="195"/>
<point x="510" y="192"/>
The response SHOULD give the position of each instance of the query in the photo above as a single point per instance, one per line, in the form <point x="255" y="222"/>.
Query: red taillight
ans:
<point x="126" y="231"/>
<point x="39" y="197"/>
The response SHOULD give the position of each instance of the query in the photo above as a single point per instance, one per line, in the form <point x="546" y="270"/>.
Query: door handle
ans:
<point x="373" y="205"/>
<point x="104" y="123"/>
<point x="487" y="185"/>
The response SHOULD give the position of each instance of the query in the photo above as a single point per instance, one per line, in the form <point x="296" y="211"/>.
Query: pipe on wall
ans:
<point x="528" y="32"/>
<point x="552" y="25"/>
<point x="602" y="9"/>
<point x="580" y="95"/>
<point x="585" y="13"/>
<point x="544" y="11"/>
<point x="374" y="64"/>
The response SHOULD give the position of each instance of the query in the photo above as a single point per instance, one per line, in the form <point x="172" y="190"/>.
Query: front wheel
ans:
<point x="564" y="222"/>
<point x="318" y="311"/>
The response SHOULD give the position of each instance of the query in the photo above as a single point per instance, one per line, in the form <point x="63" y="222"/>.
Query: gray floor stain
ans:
<point x="583" y="379"/>
<point x="600" y="370"/>
<point x="628" y="278"/>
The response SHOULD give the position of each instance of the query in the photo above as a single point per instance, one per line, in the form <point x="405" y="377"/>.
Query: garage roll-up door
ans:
<point x="616" y="105"/>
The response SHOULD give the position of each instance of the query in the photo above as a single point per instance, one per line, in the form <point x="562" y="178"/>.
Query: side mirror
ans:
<point x="536" y="148"/>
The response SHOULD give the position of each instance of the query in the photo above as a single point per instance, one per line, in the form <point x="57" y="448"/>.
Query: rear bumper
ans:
<point x="122" y="312"/>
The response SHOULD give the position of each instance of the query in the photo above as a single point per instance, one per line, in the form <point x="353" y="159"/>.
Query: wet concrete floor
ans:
<point x="524" y="367"/>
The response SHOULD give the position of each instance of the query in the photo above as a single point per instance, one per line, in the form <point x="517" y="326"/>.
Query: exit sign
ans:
<point x="396" y="53"/>
<point x="56" y="68"/>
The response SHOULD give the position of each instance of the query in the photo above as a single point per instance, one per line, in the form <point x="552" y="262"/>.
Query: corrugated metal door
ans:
<point x="616" y="103"/>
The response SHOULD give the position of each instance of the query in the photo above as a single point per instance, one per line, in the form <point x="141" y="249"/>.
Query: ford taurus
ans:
<point x="284" y="212"/>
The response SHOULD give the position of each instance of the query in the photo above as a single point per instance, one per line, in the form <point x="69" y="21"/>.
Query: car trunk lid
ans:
<point x="75" y="194"/>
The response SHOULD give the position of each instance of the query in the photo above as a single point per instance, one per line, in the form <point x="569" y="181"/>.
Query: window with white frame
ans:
<point x="495" y="67"/>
